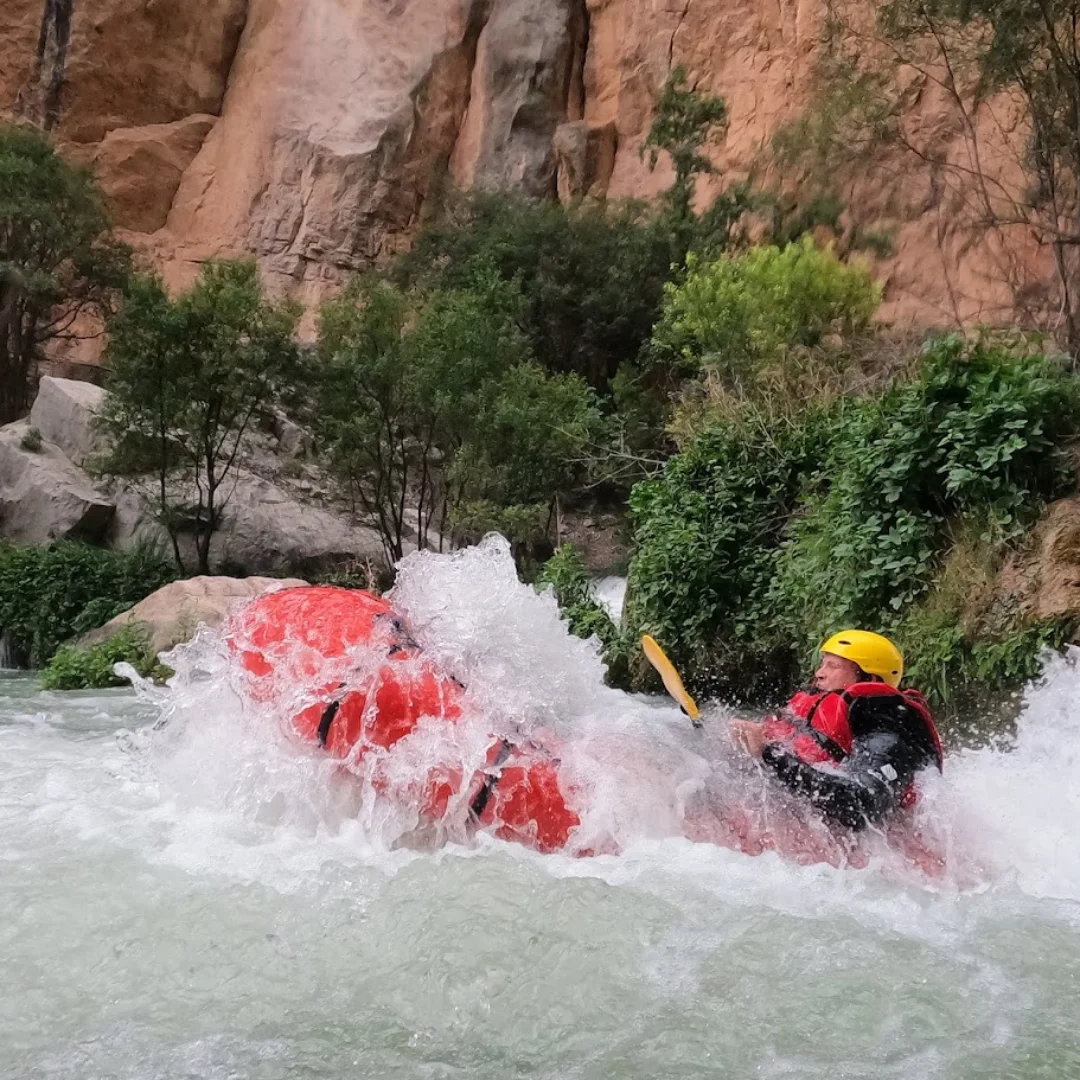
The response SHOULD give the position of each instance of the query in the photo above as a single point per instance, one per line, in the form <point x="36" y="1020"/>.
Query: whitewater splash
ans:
<point x="638" y="773"/>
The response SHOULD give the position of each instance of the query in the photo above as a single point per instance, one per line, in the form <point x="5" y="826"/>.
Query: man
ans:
<point x="853" y="747"/>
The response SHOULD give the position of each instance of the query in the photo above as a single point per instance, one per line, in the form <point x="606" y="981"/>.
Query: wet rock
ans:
<point x="175" y="612"/>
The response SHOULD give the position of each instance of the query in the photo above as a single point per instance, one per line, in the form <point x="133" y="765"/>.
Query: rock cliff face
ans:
<point x="316" y="135"/>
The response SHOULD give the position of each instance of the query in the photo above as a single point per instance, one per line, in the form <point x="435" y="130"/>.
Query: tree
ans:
<point x="523" y="449"/>
<point x="685" y="120"/>
<point x="1010" y="72"/>
<point x="187" y="378"/>
<point x="429" y="408"/>
<point x="752" y="321"/>
<point x="591" y="277"/>
<point x="60" y="267"/>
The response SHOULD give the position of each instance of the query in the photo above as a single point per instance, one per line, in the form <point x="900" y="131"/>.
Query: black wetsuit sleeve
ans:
<point x="863" y="789"/>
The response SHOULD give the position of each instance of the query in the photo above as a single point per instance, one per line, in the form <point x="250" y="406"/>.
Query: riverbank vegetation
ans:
<point x="51" y="594"/>
<point x="786" y="465"/>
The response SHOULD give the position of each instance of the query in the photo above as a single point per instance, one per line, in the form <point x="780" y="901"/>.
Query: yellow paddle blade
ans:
<point x="672" y="683"/>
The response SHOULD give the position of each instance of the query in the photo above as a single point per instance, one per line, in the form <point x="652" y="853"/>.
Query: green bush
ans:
<point x="741" y="315"/>
<point x="72" y="668"/>
<point x="761" y="539"/>
<point x="591" y="278"/>
<point x="706" y="536"/>
<point x="50" y="594"/>
<point x="980" y="434"/>
<point x="568" y="578"/>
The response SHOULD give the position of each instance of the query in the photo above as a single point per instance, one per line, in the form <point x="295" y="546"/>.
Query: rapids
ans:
<point x="186" y="893"/>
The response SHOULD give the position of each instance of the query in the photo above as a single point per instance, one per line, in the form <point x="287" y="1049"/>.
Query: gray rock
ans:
<point x="64" y="411"/>
<point x="43" y="496"/>
<point x="528" y="67"/>
<point x="263" y="528"/>
<point x="134" y="525"/>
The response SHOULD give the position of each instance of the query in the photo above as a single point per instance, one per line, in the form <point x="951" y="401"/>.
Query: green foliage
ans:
<point x="31" y="440"/>
<point x="684" y="121"/>
<point x="50" y="594"/>
<point x="760" y="539"/>
<point x="591" y="277"/>
<point x="950" y="662"/>
<point x="434" y="417"/>
<point x="523" y="446"/>
<point x="568" y="578"/>
<point x="58" y="260"/>
<point x="981" y="432"/>
<point x="706" y="536"/>
<point x="742" y="316"/>
<point x="74" y="668"/>
<point x="187" y="378"/>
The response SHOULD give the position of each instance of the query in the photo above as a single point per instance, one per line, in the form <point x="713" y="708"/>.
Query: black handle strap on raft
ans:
<point x="328" y="715"/>
<point x="327" y="719"/>
<point x="491" y="781"/>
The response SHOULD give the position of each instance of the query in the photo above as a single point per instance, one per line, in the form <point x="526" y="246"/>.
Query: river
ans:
<point x="175" y="903"/>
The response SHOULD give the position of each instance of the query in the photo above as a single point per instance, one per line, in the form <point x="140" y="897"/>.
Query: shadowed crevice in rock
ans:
<point x="526" y="82"/>
<point x="46" y="90"/>
<point x="233" y="52"/>
<point x="575" y="90"/>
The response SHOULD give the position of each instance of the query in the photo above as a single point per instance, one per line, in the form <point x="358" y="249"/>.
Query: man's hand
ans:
<point x="749" y="736"/>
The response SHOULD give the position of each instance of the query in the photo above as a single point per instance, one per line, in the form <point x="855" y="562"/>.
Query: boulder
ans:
<point x="265" y="529"/>
<point x="43" y="496"/>
<point x="139" y="169"/>
<point x="175" y="612"/>
<point x="64" y="412"/>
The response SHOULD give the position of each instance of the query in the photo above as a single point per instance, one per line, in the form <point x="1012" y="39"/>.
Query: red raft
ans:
<point x="364" y="687"/>
<point x="289" y="640"/>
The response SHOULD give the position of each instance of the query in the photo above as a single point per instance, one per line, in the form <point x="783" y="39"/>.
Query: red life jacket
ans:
<point x="822" y="726"/>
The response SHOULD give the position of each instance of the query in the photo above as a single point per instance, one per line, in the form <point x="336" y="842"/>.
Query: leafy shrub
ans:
<point x="706" y="536"/>
<point x="566" y="575"/>
<point x="50" y="594"/>
<point x="980" y="434"/>
<point x="31" y="440"/>
<point x="759" y="539"/>
<point x="591" y="278"/>
<point x="72" y="668"/>
<point x="742" y="315"/>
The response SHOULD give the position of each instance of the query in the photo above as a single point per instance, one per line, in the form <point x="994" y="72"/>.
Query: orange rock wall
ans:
<point x="316" y="134"/>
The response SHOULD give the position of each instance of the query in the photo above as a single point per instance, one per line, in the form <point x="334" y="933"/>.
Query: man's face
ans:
<point x="835" y="673"/>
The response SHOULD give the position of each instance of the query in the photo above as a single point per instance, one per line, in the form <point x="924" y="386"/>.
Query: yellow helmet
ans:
<point x="875" y="654"/>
